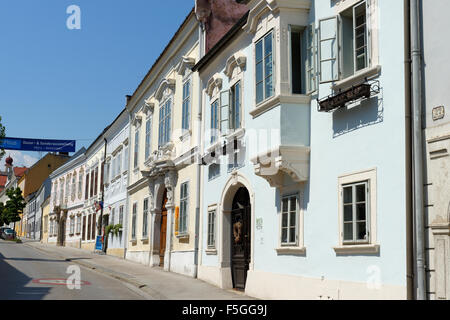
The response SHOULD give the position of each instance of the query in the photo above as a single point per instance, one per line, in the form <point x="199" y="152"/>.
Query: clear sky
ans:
<point x="57" y="83"/>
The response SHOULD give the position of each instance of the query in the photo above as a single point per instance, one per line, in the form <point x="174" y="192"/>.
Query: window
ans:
<point x="94" y="220"/>
<point x="86" y="191"/>
<point x="342" y="57"/>
<point x="136" y="147"/>
<point x="184" y="205"/>
<point x="133" y="222"/>
<point x="214" y="121"/>
<point x="165" y="116"/>
<point x="235" y="106"/>
<point x="72" y="225"/>
<point x="145" y="220"/>
<point x="119" y="163"/>
<point x="303" y="51"/>
<point x="108" y="167"/>
<point x="186" y="105"/>
<point x="46" y="224"/>
<point x="84" y="229"/>
<point x="78" y="224"/>
<point x="96" y="182"/>
<point x="80" y="184"/>
<point x="212" y="229"/>
<point x="148" y="131"/>
<point x="355" y="209"/>
<point x="357" y="213"/>
<point x="289" y="221"/>
<point x="121" y="215"/>
<point x="61" y="191"/>
<point x="74" y="186"/>
<point x="264" y="68"/>
<point x="213" y="171"/>
<point x="89" y="227"/>
<point x="125" y="156"/>
<point x="113" y="213"/>
<point x="92" y="183"/>
<point x="66" y="193"/>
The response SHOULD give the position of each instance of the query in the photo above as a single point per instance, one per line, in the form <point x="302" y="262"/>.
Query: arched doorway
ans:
<point x="240" y="238"/>
<point x="163" y="230"/>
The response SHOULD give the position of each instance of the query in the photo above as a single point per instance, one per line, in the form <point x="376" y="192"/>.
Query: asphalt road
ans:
<point x="28" y="274"/>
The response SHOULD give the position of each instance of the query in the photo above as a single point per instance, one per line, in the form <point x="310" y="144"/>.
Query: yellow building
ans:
<point x="163" y="175"/>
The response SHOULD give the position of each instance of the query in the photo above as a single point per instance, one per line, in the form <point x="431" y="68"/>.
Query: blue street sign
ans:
<point x="42" y="145"/>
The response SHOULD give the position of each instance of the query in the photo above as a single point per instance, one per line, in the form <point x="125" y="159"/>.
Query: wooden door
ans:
<point x="163" y="232"/>
<point x="240" y="239"/>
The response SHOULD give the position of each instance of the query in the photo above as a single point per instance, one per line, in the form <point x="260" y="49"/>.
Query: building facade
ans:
<point x="298" y="202"/>
<point x="436" y="100"/>
<point x="66" y="203"/>
<point x="116" y="182"/>
<point x="163" y="176"/>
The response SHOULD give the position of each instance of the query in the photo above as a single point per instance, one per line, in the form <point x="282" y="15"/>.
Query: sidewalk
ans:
<point x="154" y="282"/>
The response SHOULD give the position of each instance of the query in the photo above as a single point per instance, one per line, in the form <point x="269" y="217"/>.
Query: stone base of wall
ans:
<point x="88" y="246"/>
<point x="272" y="286"/>
<point x="116" y="252"/>
<point x="142" y="257"/>
<point x="182" y="262"/>
<point x="74" y="244"/>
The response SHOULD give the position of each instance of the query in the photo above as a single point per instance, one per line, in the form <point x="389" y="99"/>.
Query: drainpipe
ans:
<point x="102" y="173"/>
<point x="418" y="149"/>
<point x="408" y="156"/>
<point x="199" y="166"/>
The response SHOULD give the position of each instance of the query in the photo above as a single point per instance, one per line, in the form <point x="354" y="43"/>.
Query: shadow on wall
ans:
<point x="14" y="284"/>
<point x="359" y="115"/>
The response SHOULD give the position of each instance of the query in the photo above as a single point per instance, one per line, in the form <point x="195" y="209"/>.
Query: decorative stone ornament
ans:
<point x="166" y="87"/>
<point x="236" y="60"/>
<point x="186" y="63"/>
<point x="214" y="84"/>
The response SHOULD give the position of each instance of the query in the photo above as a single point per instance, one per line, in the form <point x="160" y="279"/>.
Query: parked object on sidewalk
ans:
<point x="9" y="234"/>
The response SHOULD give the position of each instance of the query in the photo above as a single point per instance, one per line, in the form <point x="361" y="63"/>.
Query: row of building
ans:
<point x="271" y="149"/>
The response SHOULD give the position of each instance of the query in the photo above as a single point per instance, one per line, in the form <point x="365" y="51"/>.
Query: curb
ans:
<point x="140" y="286"/>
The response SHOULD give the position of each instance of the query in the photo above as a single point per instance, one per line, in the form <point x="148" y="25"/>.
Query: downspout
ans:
<point x="125" y="214"/>
<point x="199" y="149"/>
<point x="418" y="150"/>
<point x="408" y="155"/>
<point x="102" y="173"/>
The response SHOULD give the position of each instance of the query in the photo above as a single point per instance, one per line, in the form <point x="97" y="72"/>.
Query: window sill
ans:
<point x="144" y="240"/>
<point x="357" y="78"/>
<point x="211" y="252"/>
<point x="271" y="103"/>
<point x="186" y="135"/>
<point x="291" y="251"/>
<point x="133" y="241"/>
<point x="357" y="249"/>
<point x="183" y="236"/>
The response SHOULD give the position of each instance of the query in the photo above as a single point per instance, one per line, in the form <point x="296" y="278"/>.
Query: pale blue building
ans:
<point x="306" y="178"/>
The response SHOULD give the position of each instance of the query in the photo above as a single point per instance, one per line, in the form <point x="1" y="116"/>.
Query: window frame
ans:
<point x="263" y="61"/>
<point x="371" y="246"/>
<point x="289" y="197"/>
<point x="211" y="231"/>
<point x="165" y="122"/>
<point x="145" y="210"/>
<point x="186" y="118"/>
<point x="354" y="221"/>
<point x="184" y="213"/>
<point x="214" y="130"/>
<point x="137" y="129"/>
<point x="148" y="137"/>
<point x="133" y="221"/>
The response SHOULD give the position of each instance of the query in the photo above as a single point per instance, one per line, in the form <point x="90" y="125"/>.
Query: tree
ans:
<point x="2" y="135"/>
<point x="15" y="205"/>
<point x="3" y="218"/>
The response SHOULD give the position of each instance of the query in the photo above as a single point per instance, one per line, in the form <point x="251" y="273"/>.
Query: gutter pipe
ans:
<point x="418" y="150"/>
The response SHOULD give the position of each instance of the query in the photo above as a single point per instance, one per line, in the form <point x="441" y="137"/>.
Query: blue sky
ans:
<point x="57" y="83"/>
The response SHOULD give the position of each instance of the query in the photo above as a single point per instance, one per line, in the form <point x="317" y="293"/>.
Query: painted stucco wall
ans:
<point x="369" y="135"/>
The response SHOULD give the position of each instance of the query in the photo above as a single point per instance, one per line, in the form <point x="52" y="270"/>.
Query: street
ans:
<point x="28" y="274"/>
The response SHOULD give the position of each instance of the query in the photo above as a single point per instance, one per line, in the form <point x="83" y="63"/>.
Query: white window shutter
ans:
<point x="224" y="111"/>
<point x="311" y="59"/>
<point x="328" y="50"/>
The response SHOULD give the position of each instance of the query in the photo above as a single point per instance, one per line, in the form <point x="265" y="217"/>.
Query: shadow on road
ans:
<point x="13" y="283"/>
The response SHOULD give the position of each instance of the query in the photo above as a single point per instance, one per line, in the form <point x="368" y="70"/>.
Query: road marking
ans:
<point x="60" y="282"/>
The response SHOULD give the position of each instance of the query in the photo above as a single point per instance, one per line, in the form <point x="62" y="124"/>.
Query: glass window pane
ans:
<point x="361" y="212"/>
<point x="259" y="72"/>
<point x="258" y="51"/>
<point x="285" y="205"/>
<point x="361" y="231"/>
<point x="292" y="235"/>
<point x="292" y="220"/>
<point x="348" y="231"/>
<point x="361" y="193"/>
<point x="259" y="92"/>
<point x="348" y="196"/>
<point x="284" y="220"/>
<point x="284" y="235"/>
<point x="348" y="213"/>
<point x="268" y="44"/>
<point x="293" y="202"/>
<point x="268" y="66"/>
<point x="269" y="87"/>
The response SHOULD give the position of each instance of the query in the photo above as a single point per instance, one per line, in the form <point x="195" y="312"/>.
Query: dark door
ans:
<point x="240" y="238"/>
<point x="163" y="232"/>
